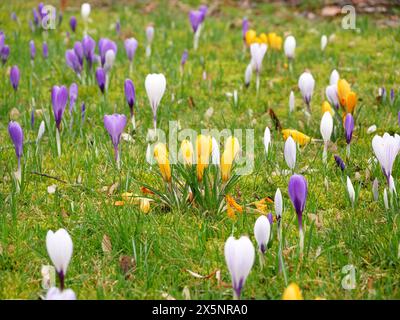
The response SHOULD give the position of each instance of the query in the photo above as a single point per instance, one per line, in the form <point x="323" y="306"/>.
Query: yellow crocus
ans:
<point x="232" y="144"/>
<point x="203" y="152"/>
<point x="275" y="42"/>
<point x="250" y="37"/>
<point x="292" y="292"/>
<point x="263" y="38"/>
<point x="232" y="148"/>
<point x="297" y="136"/>
<point x="343" y="89"/>
<point x="161" y="156"/>
<point x="351" y="102"/>
<point x="187" y="152"/>
<point x="326" y="107"/>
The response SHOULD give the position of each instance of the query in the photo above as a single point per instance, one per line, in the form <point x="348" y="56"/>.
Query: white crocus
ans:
<point x="262" y="231"/>
<point x="385" y="199"/>
<point x="351" y="192"/>
<point x="57" y="294"/>
<point x="375" y="191"/>
<point x="386" y="149"/>
<point x="290" y="47"/>
<point x="59" y="247"/>
<point x="324" y="42"/>
<point x="278" y="204"/>
<point x="149" y="36"/>
<point x="326" y="129"/>
<point x="334" y="77"/>
<point x="267" y="139"/>
<point x="257" y="51"/>
<point x="155" y="87"/>
<point x="41" y="130"/>
<point x="332" y="95"/>
<point x="306" y="86"/>
<point x="215" y="153"/>
<point x="290" y="152"/>
<point x="239" y="257"/>
<point x="85" y="12"/>
<point x="291" y="101"/>
<point x="247" y="75"/>
<point x="109" y="60"/>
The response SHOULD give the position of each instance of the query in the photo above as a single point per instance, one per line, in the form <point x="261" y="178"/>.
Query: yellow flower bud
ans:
<point x="297" y="136"/>
<point x="327" y="107"/>
<point x="203" y="152"/>
<point x="161" y="156"/>
<point x="187" y="152"/>
<point x="292" y="292"/>
<point x="343" y="91"/>
<point x="250" y="37"/>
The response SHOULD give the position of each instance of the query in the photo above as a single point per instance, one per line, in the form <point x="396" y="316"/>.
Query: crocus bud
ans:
<point x="72" y="23"/>
<point x="144" y="205"/>
<point x="59" y="247"/>
<point x="215" y="154"/>
<point x="155" y="87"/>
<point x="340" y="162"/>
<point x="332" y="95"/>
<point x="14" y="77"/>
<point x="290" y="152"/>
<point x="85" y="11"/>
<point x="262" y="231"/>
<point x="350" y="190"/>
<point x="292" y="292"/>
<point x="348" y="127"/>
<point x="101" y="79"/>
<point x="131" y="45"/>
<point x="245" y="28"/>
<point x="115" y="125"/>
<point x="17" y="137"/>
<point x="334" y="78"/>
<point x="184" y="58"/>
<point x="57" y="294"/>
<point x="41" y="130"/>
<point x="45" y="50"/>
<point x="324" y="42"/>
<point x="306" y="86"/>
<point x="392" y="96"/>
<point x="162" y="158"/>
<point x="203" y="152"/>
<point x="4" y="54"/>
<point x="392" y="186"/>
<point x="257" y="51"/>
<point x="59" y="98"/>
<point x="149" y="34"/>
<point x="289" y="47"/>
<point x="247" y="75"/>
<point x="267" y="139"/>
<point x="291" y="101"/>
<point x="109" y="60"/>
<point x="375" y="191"/>
<point x="239" y="257"/>
<point x="130" y="94"/>
<point x="298" y="191"/>
<point x="278" y="202"/>
<point x="73" y="95"/>
<point x="326" y="126"/>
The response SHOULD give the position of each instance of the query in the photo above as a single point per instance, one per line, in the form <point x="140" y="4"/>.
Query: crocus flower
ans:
<point x="83" y="111"/>
<point x="78" y="49"/>
<point x="298" y="195"/>
<point x="348" y="127"/>
<point x="35" y="17"/>
<point x="306" y="86"/>
<point x="89" y="45"/>
<point x="73" y="95"/>
<point x="187" y="152"/>
<point x="386" y="149"/>
<point x="17" y="137"/>
<point x="57" y="294"/>
<point x="215" y="153"/>
<point x="267" y="139"/>
<point x="350" y="190"/>
<point x="332" y="95"/>
<point x="292" y="292"/>
<point x="289" y="47"/>
<point x="155" y="87"/>
<point x="278" y="203"/>
<point x="162" y="158"/>
<point x="375" y="191"/>
<point x="184" y="58"/>
<point x="45" y="50"/>
<point x="231" y="150"/>
<point x="326" y="129"/>
<point x="32" y="49"/>
<point x="131" y="45"/>
<point x="340" y="162"/>
<point x="297" y="136"/>
<point x="203" y="152"/>
<point x="239" y="257"/>
<point x="257" y="51"/>
<point x="247" y="75"/>
<point x="334" y="78"/>
<point x="392" y="96"/>
<point x="2" y="40"/>
<point x="324" y="42"/>
<point x="130" y="98"/>
<point x="109" y="61"/>
<point x="291" y="101"/>
<point x="72" y="23"/>
<point x="104" y="46"/>
<point x="59" y="247"/>
<point x="262" y="231"/>
<point x="195" y="18"/>
<point x="118" y="27"/>
<point x="14" y="16"/>
<point x="149" y="36"/>
<point x="4" y="54"/>
<point x="115" y="125"/>
<point x="14" y="77"/>
<point x="59" y="98"/>
<point x="101" y="79"/>
<point x="290" y="152"/>
<point x="72" y="61"/>
<point x="42" y="13"/>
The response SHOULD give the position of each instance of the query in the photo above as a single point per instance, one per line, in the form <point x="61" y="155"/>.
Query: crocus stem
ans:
<point x="117" y="157"/>
<point x="155" y="123"/>
<point x="58" y="142"/>
<point x="348" y="152"/>
<point x="131" y="67"/>
<point x="257" y="82"/>
<point x="325" y="153"/>
<point x="133" y="121"/>
<point x="196" y="39"/>
<point x="281" y="262"/>
<point x="235" y="295"/>
<point x="61" y="277"/>
<point x="148" y="50"/>
<point x="301" y="234"/>
<point x="261" y="259"/>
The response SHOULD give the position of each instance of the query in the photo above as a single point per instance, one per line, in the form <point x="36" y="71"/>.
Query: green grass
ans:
<point x="164" y="244"/>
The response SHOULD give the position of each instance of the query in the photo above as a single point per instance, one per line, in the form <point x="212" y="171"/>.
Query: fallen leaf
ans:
<point x="112" y="188"/>
<point x="127" y="265"/>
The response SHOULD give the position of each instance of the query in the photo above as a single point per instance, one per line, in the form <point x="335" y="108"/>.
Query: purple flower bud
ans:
<point x="59" y="98"/>
<point x="298" y="195"/>
<point x="32" y="49"/>
<point x="5" y="53"/>
<point x="72" y="61"/>
<point x="392" y="96"/>
<point x="348" y="127"/>
<point x="270" y="219"/>
<point x="101" y="79"/>
<point x="73" y="95"/>
<point x="42" y="12"/>
<point x="339" y="162"/>
<point x="195" y="18"/>
<point x="14" y="77"/>
<point x="115" y="125"/>
<point x="131" y="45"/>
<point x="89" y="46"/>
<point x="17" y="137"/>
<point x="245" y="28"/>
<point x="35" y="17"/>
<point x="72" y="23"/>
<point x="118" y="27"/>
<point x="45" y="50"/>
<point x="32" y="118"/>
<point x="184" y="57"/>
<point x="130" y="94"/>
<point x="2" y="40"/>
<point x="105" y="45"/>
<point x="83" y="111"/>
<point x="14" y="16"/>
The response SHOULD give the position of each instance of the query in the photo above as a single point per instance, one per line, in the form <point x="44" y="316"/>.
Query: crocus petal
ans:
<point x="59" y="247"/>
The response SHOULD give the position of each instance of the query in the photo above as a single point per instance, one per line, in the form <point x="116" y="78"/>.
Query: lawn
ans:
<point x="119" y="251"/>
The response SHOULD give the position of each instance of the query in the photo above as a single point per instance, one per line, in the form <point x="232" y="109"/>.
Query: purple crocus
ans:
<point x="184" y="58"/>
<point x="73" y="95"/>
<point x="195" y="17"/>
<point x="17" y="137"/>
<point x="4" y="53"/>
<point x="14" y="16"/>
<point x="115" y="125"/>
<point x="203" y="9"/>
<point x="83" y="112"/>
<point x="298" y="195"/>
<point x="349" y="127"/>
<point x="89" y="46"/>
<point x="131" y="45"/>
<point x="392" y="96"/>
<point x="35" y="17"/>
<point x="59" y="98"/>
<point x="118" y="27"/>
<point x="105" y="45"/>
<point x="339" y="162"/>
<point x="2" y="40"/>
<point x="101" y="79"/>
<point x="270" y="218"/>
<point x="130" y="94"/>
<point x="245" y="28"/>
<point x="72" y="61"/>
<point x="14" y="77"/>
<point x="32" y="49"/>
<point x="78" y="48"/>
<point x="42" y="13"/>
<point x="45" y="50"/>
<point x="72" y="23"/>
